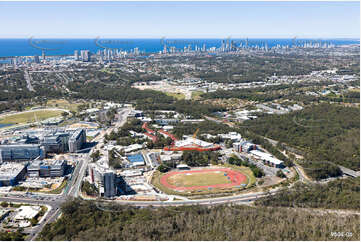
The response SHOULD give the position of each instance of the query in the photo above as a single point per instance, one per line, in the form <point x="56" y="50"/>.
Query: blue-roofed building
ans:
<point x="136" y="160"/>
<point x="21" y="152"/>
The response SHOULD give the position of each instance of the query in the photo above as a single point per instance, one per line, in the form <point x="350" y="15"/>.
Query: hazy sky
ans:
<point x="180" y="19"/>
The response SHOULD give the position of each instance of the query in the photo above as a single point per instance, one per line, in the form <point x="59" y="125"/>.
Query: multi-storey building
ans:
<point x="21" y="152"/>
<point x="77" y="140"/>
<point x="54" y="168"/>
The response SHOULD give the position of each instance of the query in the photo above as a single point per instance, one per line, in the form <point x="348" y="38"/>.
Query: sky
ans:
<point x="180" y="19"/>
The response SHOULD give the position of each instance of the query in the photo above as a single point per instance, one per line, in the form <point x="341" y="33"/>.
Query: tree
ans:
<point x="4" y="204"/>
<point x="64" y="114"/>
<point x="95" y="156"/>
<point x="162" y="168"/>
<point x="33" y="221"/>
<point x="280" y="174"/>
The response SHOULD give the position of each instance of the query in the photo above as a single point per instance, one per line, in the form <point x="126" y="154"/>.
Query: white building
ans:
<point x="27" y="212"/>
<point x="267" y="158"/>
<point x="232" y="136"/>
<point x="133" y="147"/>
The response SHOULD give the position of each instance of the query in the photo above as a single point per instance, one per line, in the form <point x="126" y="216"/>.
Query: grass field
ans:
<point x="196" y="95"/>
<point x="64" y="104"/>
<point x="59" y="189"/>
<point x="178" y="96"/>
<point x="29" y="117"/>
<point x="246" y="171"/>
<point x="192" y="184"/>
<point x="201" y="179"/>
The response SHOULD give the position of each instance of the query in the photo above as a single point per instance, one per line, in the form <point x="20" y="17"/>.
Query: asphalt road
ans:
<point x="28" y="81"/>
<point x="243" y="198"/>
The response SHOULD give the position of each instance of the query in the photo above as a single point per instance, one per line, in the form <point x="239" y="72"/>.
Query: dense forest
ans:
<point x="205" y="127"/>
<point x="120" y="93"/>
<point x="85" y="220"/>
<point x="144" y="99"/>
<point x="248" y="68"/>
<point x="338" y="194"/>
<point x="325" y="134"/>
<point x="261" y="94"/>
<point x="293" y="92"/>
<point x="12" y="236"/>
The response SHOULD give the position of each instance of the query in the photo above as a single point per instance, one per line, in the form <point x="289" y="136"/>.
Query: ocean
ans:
<point x="32" y="46"/>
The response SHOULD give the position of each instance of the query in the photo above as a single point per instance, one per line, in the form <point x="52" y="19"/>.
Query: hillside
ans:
<point x="85" y="221"/>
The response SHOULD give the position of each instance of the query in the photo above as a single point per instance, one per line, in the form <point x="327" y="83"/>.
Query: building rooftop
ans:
<point x="266" y="156"/>
<point x="54" y="163"/>
<point x="135" y="158"/>
<point x="76" y="134"/>
<point x="10" y="170"/>
<point x="27" y="212"/>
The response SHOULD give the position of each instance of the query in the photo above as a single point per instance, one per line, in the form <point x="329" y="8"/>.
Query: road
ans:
<point x="28" y="81"/>
<point x="243" y="198"/>
<point x="50" y="216"/>
<point x="79" y="171"/>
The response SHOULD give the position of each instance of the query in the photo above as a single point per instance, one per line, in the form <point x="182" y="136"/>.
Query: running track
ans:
<point x="236" y="179"/>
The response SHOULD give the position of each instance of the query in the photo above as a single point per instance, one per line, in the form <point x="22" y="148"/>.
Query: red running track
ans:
<point x="236" y="178"/>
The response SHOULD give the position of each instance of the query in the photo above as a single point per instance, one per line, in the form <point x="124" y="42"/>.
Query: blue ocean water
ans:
<point x="31" y="46"/>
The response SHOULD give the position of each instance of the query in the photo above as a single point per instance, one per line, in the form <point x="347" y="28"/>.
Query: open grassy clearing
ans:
<point x="64" y="104"/>
<point x="198" y="179"/>
<point x="59" y="189"/>
<point x="196" y="95"/>
<point x="178" y="95"/>
<point x="29" y="116"/>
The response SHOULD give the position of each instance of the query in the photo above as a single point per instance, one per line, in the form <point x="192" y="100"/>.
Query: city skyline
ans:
<point x="181" y="19"/>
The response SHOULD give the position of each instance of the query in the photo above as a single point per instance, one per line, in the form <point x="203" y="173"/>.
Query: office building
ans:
<point x="21" y="152"/>
<point x="76" y="55"/>
<point x="36" y="59"/>
<point x="56" y="143"/>
<point x="45" y="168"/>
<point x="12" y="173"/>
<point x="244" y="146"/>
<point x="77" y="140"/>
<point x="268" y="159"/>
<point x="109" y="184"/>
<point x="85" y="55"/>
<point x="43" y="55"/>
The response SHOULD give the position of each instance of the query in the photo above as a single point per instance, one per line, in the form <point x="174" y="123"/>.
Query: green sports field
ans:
<point x="29" y="117"/>
<point x="198" y="179"/>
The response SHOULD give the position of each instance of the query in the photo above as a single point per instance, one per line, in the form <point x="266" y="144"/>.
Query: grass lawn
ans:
<point x="198" y="179"/>
<point x="156" y="182"/>
<point x="214" y="192"/>
<point x="196" y="95"/>
<point x="176" y="95"/>
<point x="64" y="104"/>
<point x="29" y="117"/>
<point x="251" y="179"/>
<point x="59" y="189"/>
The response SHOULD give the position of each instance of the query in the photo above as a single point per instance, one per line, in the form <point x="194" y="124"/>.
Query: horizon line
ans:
<point x="164" y="37"/>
